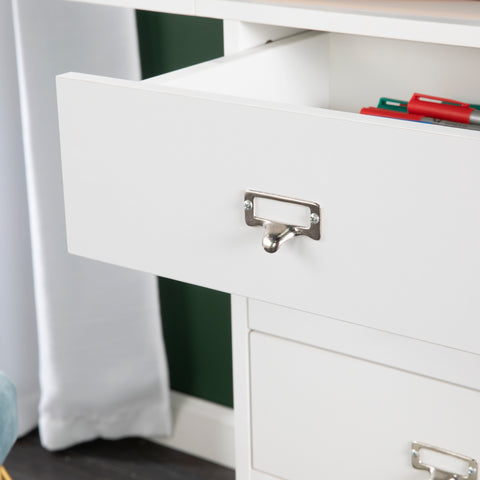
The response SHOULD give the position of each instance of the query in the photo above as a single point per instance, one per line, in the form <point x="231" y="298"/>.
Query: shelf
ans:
<point x="447" y="22"/>
<point x="453" y="22"/>
<point x="183" y="7"/>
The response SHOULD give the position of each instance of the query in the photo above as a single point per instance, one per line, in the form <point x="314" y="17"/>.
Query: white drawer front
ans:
<point x="154" y="179"/>
<point x="317" y="414"/>
<point x="405" y="353"/>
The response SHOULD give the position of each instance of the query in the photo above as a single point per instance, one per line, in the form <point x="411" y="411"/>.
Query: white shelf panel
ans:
<point x="444" y="22"/>
<point x="452" y="22"/>
<point x="184" y="7"/>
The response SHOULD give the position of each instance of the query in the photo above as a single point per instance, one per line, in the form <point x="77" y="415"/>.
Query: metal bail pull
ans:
<point x="275" y="233"/>
<point x="437" y="473"/>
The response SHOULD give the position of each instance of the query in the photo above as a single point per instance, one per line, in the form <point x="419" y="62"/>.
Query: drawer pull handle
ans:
<point x="436" y="473"/>
<point x="277" y="233"/>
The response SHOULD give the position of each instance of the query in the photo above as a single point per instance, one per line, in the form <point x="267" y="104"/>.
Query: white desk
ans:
<point x="349" y="348"/>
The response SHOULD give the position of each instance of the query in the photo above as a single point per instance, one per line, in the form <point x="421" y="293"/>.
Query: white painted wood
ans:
<point x="319" y="70"/>
<point x="454" y="23"/>
<point x="154" y="176"/>
<point x="201" y="428"/>
<point x="271" y="72"/>
<point x="241" y="387"/>
<point x="185" y="7"/>
<point x="447" y="22"/>
<point x="428" y="359"/>
<point x="256" y="475"/>
<point x="155" y="182"/>
<point x="320" y="414"/>
<point x="238" y="36"/>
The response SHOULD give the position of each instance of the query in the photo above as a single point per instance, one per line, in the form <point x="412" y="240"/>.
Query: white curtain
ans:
<point x="100" y="367"/>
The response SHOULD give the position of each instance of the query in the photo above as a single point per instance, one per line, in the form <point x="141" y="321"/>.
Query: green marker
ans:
<point x="401" y="105"/>
<point x="392" y="104"/>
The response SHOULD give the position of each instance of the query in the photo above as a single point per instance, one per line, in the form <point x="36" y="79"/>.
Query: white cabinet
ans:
<point x="319" y="414"/>
<point x="338" y="401"/>
<point x="369" y="336"/>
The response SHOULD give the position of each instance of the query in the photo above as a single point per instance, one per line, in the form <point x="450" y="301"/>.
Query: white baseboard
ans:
<point x="201" y="428"/>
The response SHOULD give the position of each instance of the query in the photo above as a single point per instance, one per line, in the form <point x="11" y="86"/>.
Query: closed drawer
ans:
<point x="155" y="171"/>
<point x="318" y="414"/>
<point x="405" y="353"/>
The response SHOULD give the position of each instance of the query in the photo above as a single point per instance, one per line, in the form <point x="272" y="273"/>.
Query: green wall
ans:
<point x="169" y="42"/>
<point x="196" y="321"/>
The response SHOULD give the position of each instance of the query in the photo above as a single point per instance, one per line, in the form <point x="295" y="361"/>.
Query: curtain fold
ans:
<point x="18" y="333"/>
<point x="102" y="367"/>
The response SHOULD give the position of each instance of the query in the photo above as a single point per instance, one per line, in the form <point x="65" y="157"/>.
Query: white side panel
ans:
<point x="238" y="36"/>
<point x="293" y="70"/>
<point x="314" y="411"/>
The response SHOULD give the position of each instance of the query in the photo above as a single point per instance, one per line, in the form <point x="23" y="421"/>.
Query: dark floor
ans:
<point x="108" y="460"/>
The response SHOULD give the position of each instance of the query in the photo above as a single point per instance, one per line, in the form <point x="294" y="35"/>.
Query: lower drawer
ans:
<point x="318" y="414"/>
<point x="405" y="353"/>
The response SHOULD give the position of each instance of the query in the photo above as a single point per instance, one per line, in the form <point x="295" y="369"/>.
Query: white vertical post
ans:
<point x="242" y="35"/>
<point x="241" y="387"/>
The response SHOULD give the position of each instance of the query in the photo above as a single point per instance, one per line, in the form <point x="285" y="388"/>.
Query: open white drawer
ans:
<point x="155" y="172"/>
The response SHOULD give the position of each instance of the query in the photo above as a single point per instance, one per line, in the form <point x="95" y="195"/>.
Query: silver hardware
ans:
<point x="276" y="234"/>
<point x="247" y="205"/>
<point x="437" y="473"/>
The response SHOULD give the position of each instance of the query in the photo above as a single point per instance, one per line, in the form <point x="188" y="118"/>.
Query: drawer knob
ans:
<point x="278" y="233"/>
<point x="471" y="465"/>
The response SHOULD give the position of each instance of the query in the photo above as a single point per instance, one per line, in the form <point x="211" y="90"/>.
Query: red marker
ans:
<point x="443" y="108"/>
<point x="382" y="112"/>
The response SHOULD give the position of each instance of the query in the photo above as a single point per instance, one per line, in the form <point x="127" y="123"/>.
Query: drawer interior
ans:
<point x="336" y="71"/>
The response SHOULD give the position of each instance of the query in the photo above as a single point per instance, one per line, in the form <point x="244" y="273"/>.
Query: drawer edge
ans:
<point x="404" y="353"/>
